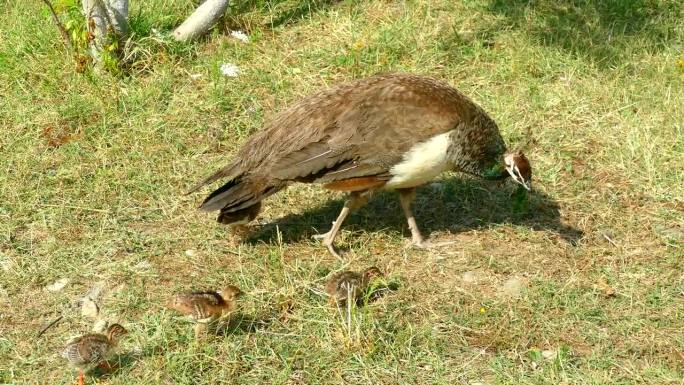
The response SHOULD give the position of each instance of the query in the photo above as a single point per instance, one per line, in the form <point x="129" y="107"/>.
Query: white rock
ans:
<point x="549" y="354"/>
<point x="470" y="277"/>
<point x="100" y="325"/>
<point x="57" y="285"/>
<point x="190" y="253"/>
<point x="512" y="287"/>
<point x="5" y="262"/>
<point x="240" y="36"/>
<point x="195" y="76"/>
<point x="230" y="70"/>
<point x="89" y="309"/>
<point x="95" y="291"/>
<point x="4" y="295"/>
<point x="143" y="265"/>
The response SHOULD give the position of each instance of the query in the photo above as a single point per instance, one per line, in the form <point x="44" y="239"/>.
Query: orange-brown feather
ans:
<point x="356" y="184"/>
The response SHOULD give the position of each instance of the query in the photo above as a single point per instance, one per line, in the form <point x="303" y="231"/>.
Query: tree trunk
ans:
<point x="204" y="17"/>
<point x="105" y="17"/>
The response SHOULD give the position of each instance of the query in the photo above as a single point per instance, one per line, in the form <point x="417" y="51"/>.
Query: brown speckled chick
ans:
<point x="350" y="284"/>
<point x="89" y="350"/>
<point x="206" y="307"/>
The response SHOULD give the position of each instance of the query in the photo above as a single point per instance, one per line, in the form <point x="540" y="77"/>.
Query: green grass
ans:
<point x="93" y="167"/>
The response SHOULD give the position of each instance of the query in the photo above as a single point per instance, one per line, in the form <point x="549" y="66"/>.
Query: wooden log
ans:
<point x="200" y="21"/>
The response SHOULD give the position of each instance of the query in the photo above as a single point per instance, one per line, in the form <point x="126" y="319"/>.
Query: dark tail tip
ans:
<point x="242" y="216"/>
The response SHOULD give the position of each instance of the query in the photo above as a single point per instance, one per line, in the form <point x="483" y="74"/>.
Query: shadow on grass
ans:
<point x="608" y="31"/>
<point x="272" y="13"/>
<point x="280" y="12"/>
<point x="377" y="291"/>
<point x="240" y="323"/>
<point x="116" y="363"/>
<point x="455" y="205"/>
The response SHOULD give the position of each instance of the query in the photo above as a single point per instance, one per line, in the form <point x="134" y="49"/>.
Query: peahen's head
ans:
<point x="515" y="165"/>
<point x="518" y="167"/>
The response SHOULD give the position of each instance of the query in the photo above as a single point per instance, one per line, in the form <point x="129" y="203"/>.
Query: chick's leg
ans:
<point x="81" y="377"/>
<point x="200" y="330"/>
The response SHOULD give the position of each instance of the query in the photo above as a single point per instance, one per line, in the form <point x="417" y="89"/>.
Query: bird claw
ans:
<point x="334" y="252"/>
<point x="325" y="239"/>
<point x="426" y="245"/>
<point x="319" y="237"/>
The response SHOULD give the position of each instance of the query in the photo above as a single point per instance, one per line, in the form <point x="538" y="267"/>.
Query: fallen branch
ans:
<point x="62" y="30"/>
<point x="48" y="326"/>
<point x="200" y="21"/>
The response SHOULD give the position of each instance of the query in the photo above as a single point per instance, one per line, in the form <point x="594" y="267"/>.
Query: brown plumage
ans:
<point x="395" y="131"/>
<point x="350" y="284"/>
<point x="207" y="306"/>
<point x="92" y="349"/>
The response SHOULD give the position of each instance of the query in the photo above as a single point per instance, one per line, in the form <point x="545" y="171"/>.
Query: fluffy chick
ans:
<point x="350" y="285"/>
<point x="89" y="350"/>
<point x="205" y="307"/>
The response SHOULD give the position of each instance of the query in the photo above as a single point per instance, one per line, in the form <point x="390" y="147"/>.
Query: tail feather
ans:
<point x="239" y="217"/>
<point x="222" y="173"/>
<point x="238" y="194"/>
<point x="235" y="191"/>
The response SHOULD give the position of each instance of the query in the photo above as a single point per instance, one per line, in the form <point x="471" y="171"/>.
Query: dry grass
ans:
<point x="93" y="170"/>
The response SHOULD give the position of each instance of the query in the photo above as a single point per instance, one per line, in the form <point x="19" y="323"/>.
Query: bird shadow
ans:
<point x="454" y="205"/>
<point x="280" y="12"/>
<point x="241" y="323"/>
<point x="114" y="364"/>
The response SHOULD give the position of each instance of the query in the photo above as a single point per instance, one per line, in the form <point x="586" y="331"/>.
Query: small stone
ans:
<point x="190" y="253"/>
<point x="230" y="70"/>
<point x="240" y="36"/>
<point x="470" y="277"/>
<point x="57" y="285"/>
<point x="95" y="291"/>
<point x="137" y="351"/>
<point x="89" y="308"/>
<point x="143" y="265"/>
<point x="671" y="233"/>
<point x="512" y="287"/>
<point x="5" y="263"/>
<point x="4" y="296"/>
<point x="549" y="354"/>
<point x="100" y="326"/>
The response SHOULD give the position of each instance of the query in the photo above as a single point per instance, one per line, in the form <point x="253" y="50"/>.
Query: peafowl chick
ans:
<point x="204" y="308"/>
<point x="350" y="285"/>
<point x="91" y="350"/>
